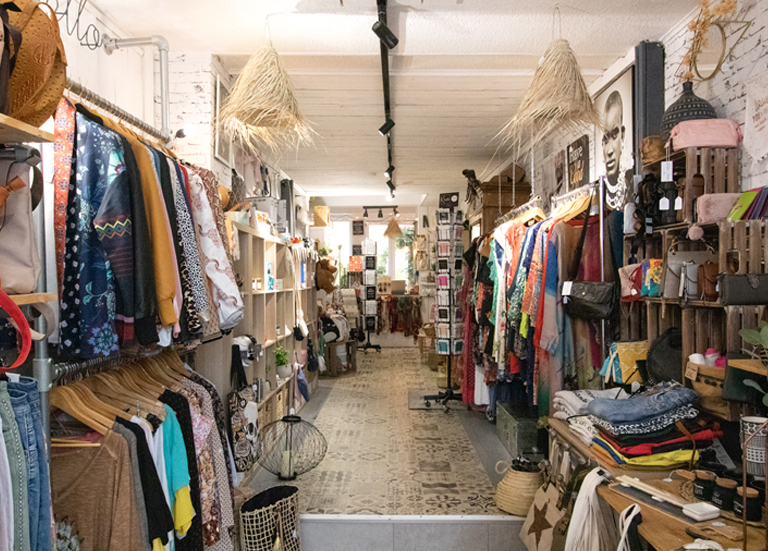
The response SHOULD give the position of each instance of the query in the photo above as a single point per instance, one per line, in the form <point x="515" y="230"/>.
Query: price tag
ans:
<point x="679" y="203"/>
<point x="692" y="371"/>
<point x="567" y="287"/>
<point x="664" y="204"/>
<point x="633" y="292"/>
<point x="666" y="171"/>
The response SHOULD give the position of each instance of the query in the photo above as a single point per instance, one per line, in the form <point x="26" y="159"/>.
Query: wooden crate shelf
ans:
<point x="15" y="131"/>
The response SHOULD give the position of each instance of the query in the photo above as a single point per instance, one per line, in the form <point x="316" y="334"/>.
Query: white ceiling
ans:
<point x="457" y="75"/>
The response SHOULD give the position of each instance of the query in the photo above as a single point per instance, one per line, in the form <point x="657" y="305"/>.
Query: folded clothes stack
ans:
<point x="655" y="429"/>
<point x="572" y="406"/>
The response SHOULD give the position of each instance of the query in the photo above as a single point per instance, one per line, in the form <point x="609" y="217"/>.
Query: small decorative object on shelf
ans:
<point x="688" y="107"/>
<point x="291" y="447"/>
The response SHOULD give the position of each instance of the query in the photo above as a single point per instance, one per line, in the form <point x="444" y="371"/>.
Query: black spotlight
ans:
<point x="387" y="37"/>
<point x="365" y="213"/>
<point x="397" y="214"/>
<point x="381" y="214"/>
<point x="387" y="127"/>
<point x="391" y="186"/>
<point x="388" y="173"/>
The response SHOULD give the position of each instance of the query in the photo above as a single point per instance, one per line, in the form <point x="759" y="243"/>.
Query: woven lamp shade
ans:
<point x="393" y="229"/>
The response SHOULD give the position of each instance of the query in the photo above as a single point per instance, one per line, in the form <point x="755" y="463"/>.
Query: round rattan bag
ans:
<point x="40" y="74"/>
<point x="515" y="492"/>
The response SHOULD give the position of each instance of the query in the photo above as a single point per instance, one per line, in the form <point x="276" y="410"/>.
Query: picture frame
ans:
<point x="222" y="140"/>
<point x="358" y="227"/>
<point x="578" y="163"/>
<point x="615" y="146"/>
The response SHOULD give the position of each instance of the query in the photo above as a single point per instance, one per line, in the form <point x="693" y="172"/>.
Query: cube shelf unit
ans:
<point x="703" y="324"/>
<point x="270" y="316"/>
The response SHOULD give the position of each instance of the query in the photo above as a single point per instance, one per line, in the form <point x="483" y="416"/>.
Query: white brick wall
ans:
<point x="726" y="91"/>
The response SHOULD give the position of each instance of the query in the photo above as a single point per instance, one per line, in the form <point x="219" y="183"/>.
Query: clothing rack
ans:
<point x="70" y="372"/>
<point x="587" y="189"/>
<point x="517" y="211"/>
<point x="90" y="96"/>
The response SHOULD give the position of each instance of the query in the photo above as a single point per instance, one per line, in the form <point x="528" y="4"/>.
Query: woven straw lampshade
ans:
<point x="557" y="98"/>
<point x="262" y="108"/>
<point x="393" y="230"/>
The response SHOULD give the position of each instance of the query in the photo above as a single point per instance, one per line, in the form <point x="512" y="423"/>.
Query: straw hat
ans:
<point x="652" y="150"/>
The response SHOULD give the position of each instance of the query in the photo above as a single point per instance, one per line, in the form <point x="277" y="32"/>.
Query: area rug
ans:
<point x="384" y="459"/>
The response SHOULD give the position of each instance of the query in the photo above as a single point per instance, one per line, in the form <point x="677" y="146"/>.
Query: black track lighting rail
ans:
<point x="387" y="40"/>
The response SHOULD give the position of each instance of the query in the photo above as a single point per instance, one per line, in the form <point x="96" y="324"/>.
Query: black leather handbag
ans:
<point x="591" y="300"/>
<point x="749" y="289"/>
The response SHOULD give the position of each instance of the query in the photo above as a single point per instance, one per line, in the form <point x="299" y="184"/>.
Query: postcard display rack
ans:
<point x="449" y="329"/>
<point x="368" y="291"/>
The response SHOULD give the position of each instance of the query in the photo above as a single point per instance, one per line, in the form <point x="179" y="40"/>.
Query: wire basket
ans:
<point x="270" y="521"/>
<point x="291" y="447"/>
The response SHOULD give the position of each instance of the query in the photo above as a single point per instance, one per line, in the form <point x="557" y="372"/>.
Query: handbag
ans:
<point x="706" y="281"/>
<point x="20" y="265"/>
<point x="651" y="277"/>
<point x="748" y="289"/>
<point x="11" y="44"/>
<point x="621" y="364"/>
<point x="243" y="416"/>
<point x="681" y="271"/>
<point x="705" y="133"/>
<point x="591" y="300"/>
<point x="713" y="207"/>
<point x="631" y="277"/>
<point x="312" y="363"/>
<point x="665" y="357"/>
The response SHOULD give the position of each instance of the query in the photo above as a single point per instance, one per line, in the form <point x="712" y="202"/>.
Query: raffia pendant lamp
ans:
<point x="557" y="98"/>
<point x="393" y="230"/>
<point x="262" y="108"/>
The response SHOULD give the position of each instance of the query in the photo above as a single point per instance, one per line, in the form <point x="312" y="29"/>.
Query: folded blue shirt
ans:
<point x="661" y="399"/>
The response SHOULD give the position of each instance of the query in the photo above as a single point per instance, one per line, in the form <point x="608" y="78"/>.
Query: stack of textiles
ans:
<point x="158" y="476"/>
<point x="656" y="429"/>
<point x="142" y="245"/>
<point x="572" y="406"/>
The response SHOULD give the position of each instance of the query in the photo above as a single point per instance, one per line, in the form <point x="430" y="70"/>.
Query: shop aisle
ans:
<point x="384" y="459"/>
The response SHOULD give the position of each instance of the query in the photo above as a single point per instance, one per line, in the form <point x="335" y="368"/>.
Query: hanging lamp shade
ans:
<point x="557" y="98"/>
<point x="393" y="230"/>
<point x="262" y="108"/>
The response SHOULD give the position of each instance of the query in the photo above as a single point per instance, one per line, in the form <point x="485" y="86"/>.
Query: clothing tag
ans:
<point x="692" y="371"/>
<point x="14" y="377"/>
<point x="567" y="287"/>
<point x="679" y="203"/>
<point x="666" y="171"/>
<point x="664" y="204"/>
<point x="717" y="287"/>
<point x="633" y="292"/>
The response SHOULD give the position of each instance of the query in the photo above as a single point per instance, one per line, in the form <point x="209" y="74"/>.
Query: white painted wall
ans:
<point x="726" y="91"/>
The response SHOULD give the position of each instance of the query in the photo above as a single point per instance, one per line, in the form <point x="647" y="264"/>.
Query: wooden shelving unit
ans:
<point x="15" y="131"/>
<point x="270" y="315"/>
<point x="34" y="298"/>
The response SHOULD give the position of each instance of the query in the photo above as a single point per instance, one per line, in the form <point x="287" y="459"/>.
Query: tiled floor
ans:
<point x="384" y="459"/>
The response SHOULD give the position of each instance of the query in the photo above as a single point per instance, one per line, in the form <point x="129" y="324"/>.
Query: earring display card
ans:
<point x="443" y="265"/>
<point x="443" y="249"/>
<point x="370" y="262"/>
<point x="457" y="331"/>
<point x="443" y="331"/>
<point x="458" y="346"/>
<point x="370" y="293"/>
<point x="369" y="277"/>
<point x="443" y="298"/>
<point x="458" y="264"/>
<point x="445" y="234"/>
<point x="357" y="250"/>
<point x="458" y="232"/>
<point x="443" y="346"/>
<point x="458" y="250"/>
<point x="443" y="216"/>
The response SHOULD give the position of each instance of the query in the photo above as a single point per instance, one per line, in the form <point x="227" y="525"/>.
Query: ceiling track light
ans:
<point x="365" y="213"/>
<point x="388" y="173"/>
<point x="381" y="214"/>
<point x="391" y="196"/>
<point x="384" y="33"/>
<point x="387" y="127"/>
<point x="397" y="214"/>
<point x="390" y="185"/>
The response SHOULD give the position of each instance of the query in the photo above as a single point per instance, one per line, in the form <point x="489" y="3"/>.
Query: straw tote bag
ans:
<point x="515" y="492"/>
<point x="40" y="72"/>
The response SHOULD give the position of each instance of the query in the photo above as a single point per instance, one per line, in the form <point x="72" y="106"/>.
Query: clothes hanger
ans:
<point x="104" y="385"/>
<point x="533" y="215"/>
<point x="95" y="403"/>
<point x="73" y="442"/>
<point x="69" y="402"/>
<point x="129" y="380"/>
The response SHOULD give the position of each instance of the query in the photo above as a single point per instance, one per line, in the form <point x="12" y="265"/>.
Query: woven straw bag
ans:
<point x="269" y="521"/>
<point x="515" y="492"/>
<point x="40" y="74"/>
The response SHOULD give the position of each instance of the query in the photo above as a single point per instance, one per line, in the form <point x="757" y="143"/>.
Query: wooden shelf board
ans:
<point x="15" y="131"/>
<point x="249" y="230"/>
<point x="272" y="393"/>
<point x="268" y="343"/>
<point x="686" y="304"/>
<point x="33" y="298"/>
<point x="657" y="230"/>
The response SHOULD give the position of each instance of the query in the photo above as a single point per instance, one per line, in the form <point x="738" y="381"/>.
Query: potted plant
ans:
<point x="758" y="338"/>
<point x="284" y="369"/>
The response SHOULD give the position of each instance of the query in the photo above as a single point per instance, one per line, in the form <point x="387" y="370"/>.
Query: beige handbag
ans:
<point x="20" y="266"/>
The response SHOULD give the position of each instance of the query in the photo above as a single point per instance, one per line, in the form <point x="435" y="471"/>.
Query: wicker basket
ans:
<point x="269" y="516"/>
<point x="515" y="493"/>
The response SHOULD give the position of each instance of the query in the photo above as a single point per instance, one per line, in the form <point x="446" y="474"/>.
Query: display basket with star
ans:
<point x="516" y="491"/>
